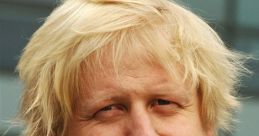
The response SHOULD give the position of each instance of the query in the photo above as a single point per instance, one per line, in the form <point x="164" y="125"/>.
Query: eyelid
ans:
<point x="170" y="102"/>
<point x="163" y="100"/>
<point x="121" y="107"/>
<point x="169" y="109"/>
<point x="117" y="105"/>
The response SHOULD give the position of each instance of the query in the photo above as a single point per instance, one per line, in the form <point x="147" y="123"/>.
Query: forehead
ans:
<point x="141" y="69"/>
<point x="127" y="70"/>
<point x="143" y="79"/>
<point x="136" y="73"/>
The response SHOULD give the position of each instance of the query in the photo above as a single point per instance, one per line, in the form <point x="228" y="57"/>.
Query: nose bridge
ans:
<point x="141" y="123"/>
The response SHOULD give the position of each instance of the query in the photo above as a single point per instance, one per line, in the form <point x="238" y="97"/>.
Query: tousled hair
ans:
<point x="79" y="33"/>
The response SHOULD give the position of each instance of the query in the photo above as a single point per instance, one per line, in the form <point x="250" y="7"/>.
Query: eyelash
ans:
<point x="164" y="102"/>
<point x="107" y="108"/>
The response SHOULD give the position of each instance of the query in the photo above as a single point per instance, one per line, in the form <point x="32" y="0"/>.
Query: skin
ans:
<point x="140" y="101"/>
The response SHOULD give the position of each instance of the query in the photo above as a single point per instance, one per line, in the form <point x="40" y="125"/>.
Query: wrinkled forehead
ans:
<point x="146" y="80"/>
<point x="134" y="65"/>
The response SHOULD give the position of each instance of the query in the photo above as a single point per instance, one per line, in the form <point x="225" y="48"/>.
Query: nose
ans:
<point x="141" y="123"/>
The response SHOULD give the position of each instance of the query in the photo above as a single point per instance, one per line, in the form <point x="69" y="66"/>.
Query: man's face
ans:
<point x="139" y="101"/>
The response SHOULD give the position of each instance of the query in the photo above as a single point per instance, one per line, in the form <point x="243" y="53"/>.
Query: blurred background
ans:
<point x="237" y="22"/>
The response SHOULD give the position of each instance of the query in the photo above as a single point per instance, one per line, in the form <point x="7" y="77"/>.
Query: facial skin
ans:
<point x="141" y="101"/>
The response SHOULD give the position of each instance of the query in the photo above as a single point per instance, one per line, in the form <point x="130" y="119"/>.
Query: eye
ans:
<point x="162" y="106"/>
<point x="162" y="102"/>
<point x="110" y="112"/>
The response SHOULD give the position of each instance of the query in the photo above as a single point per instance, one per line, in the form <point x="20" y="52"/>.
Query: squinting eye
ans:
<point x="164" y="107"/>
<point x="107" y="108"/>
<point x="161" y="102"/>
<point x="112" y="107"/>
<point x="110" y="112"/>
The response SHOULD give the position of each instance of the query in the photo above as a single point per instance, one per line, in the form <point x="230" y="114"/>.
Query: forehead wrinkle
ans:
<point x="114" y="90"/>
<point x="142" y="82"/>
<point x="165" y="83"/>
<point x="176" y="90"/>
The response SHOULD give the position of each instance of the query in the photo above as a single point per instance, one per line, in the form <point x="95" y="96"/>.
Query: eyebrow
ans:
<point x="116" y="93"/>
<point x="173" y="90"/>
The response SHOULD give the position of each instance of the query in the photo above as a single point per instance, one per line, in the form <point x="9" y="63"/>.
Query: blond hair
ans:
<point x="76" y="35"/>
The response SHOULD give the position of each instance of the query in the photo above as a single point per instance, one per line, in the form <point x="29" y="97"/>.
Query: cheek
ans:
<point x="95" y="130"/>
<point x="181" y="126"/>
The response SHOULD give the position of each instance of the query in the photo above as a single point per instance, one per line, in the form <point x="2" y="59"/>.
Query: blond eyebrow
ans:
<point x="117" y="93"/>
